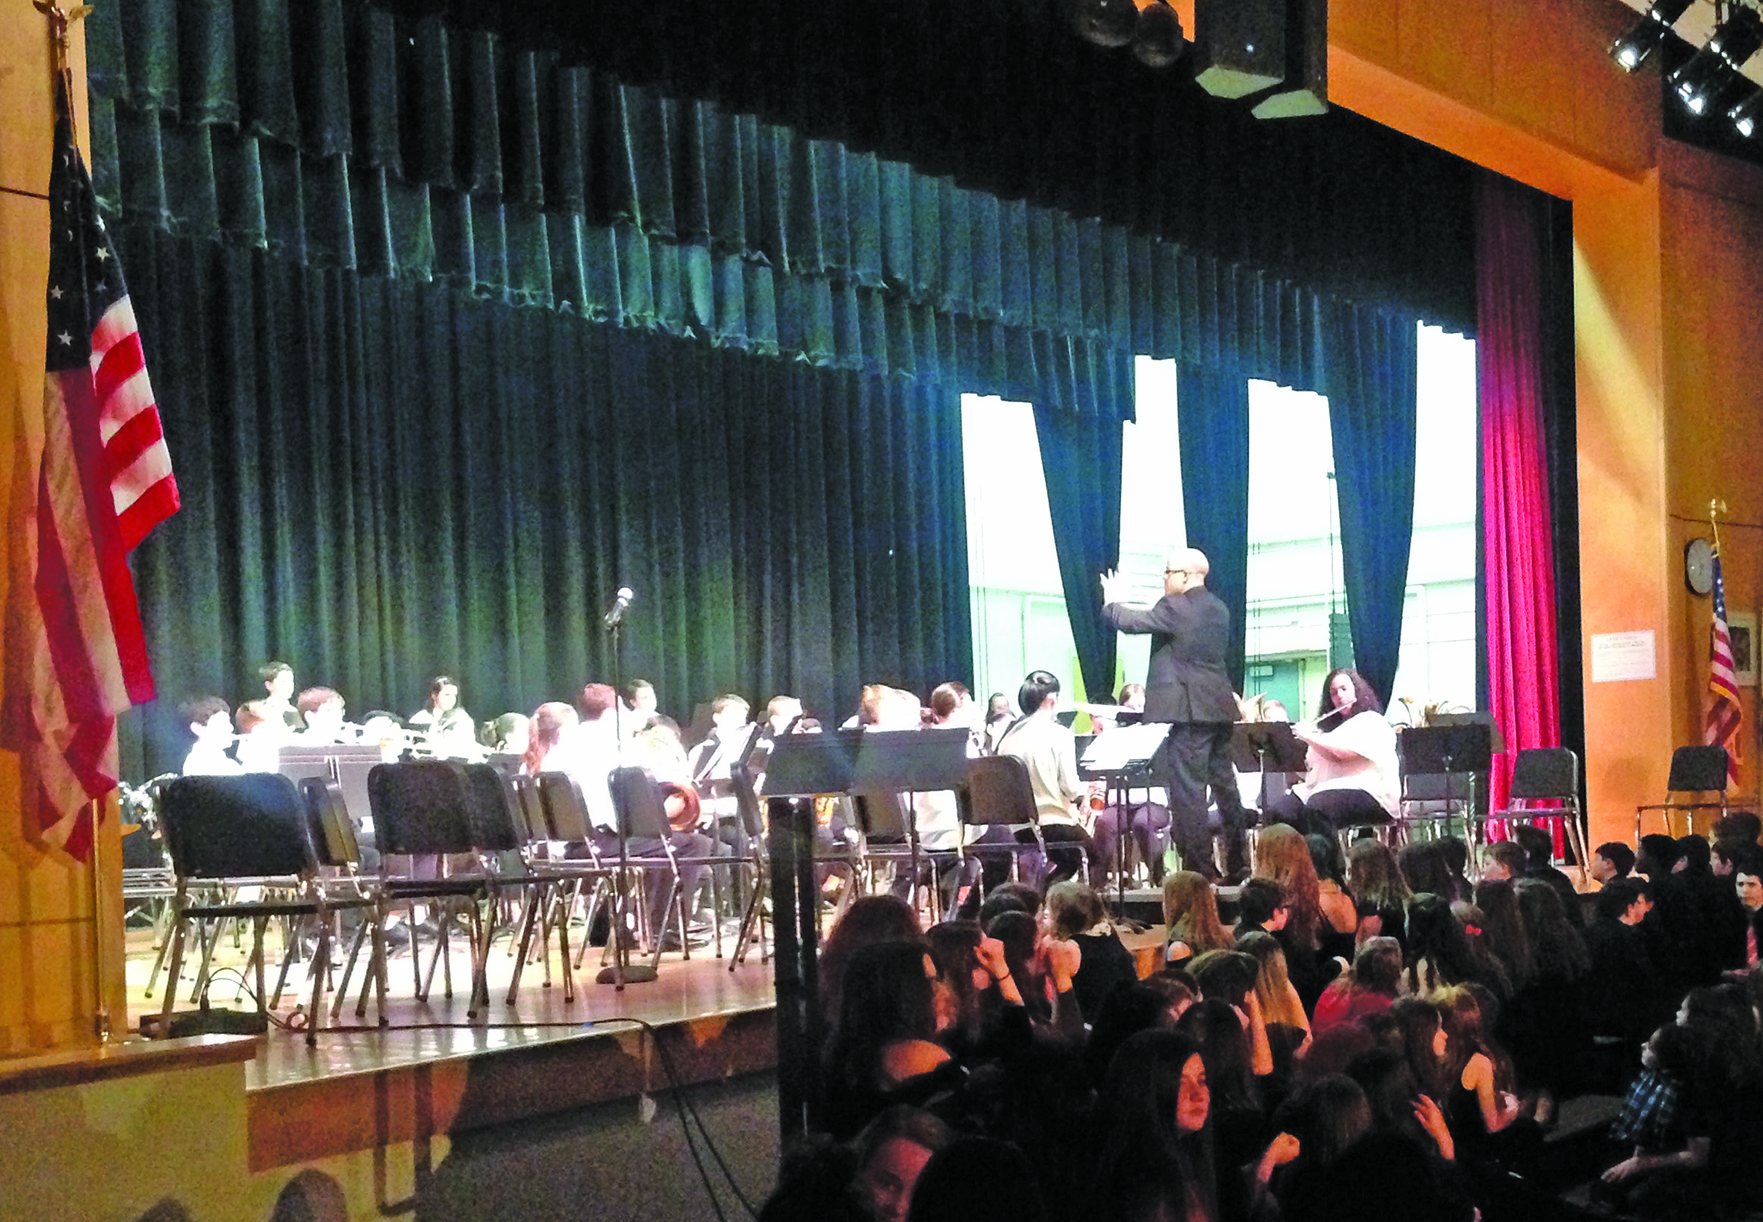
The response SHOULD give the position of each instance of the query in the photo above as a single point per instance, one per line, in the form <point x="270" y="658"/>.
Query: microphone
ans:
<point x="615" y="617"/>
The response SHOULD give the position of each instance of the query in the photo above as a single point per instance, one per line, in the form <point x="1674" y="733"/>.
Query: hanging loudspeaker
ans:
<point x="1239" y="45"/>
<point x="1306" y="71"/>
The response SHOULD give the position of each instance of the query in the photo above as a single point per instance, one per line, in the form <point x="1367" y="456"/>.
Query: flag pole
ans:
<point x="60" y="21"/>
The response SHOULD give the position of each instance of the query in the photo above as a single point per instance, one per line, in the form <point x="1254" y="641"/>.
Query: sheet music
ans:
<point x="1125" y="746"/>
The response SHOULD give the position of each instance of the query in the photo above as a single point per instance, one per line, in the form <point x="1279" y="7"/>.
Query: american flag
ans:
<point x="75" y="653"/>
<point x="1724" y="715"/>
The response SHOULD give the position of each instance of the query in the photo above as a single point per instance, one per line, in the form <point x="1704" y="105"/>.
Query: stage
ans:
<point x="432" y="1072"/>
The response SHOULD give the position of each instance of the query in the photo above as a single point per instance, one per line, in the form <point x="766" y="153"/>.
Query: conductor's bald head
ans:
<point x="1184" y="569"/>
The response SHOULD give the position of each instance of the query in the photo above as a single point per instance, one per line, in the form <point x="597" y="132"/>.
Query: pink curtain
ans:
<point x="1523" y="692"/>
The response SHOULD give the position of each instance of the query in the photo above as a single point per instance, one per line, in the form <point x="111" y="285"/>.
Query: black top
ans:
<point x="1105" y="963"/>
<point x="1186" y="680"/>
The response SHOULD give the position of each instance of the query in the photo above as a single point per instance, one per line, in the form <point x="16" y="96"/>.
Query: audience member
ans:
<point x="1074" y="915"/>
<point x="1425" y="871"/>
<point x="892" y="1154"/>
<point x="883" y="1049"/>
<point x="1625" y="994"/>
<point x="870" y="919"/>
<point x="1380" y="892"/>
<point x="1154" y="1160"/>
<point x="1370" y="987"/>
<point x="1340" y="917"/>
<point x="978" y="1177"/>
<point x="1190" y="913"/>
<point x="1612" y="860"/>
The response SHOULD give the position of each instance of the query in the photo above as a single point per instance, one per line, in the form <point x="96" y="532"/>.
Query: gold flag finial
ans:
<point x="59" y="21"/>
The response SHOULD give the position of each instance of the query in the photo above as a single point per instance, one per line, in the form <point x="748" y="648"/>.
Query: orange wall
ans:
<point x="1668" y="247"/>
<point x="47" y="949"/>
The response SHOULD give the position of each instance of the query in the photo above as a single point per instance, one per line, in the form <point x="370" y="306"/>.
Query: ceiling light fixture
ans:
<point x="1747" y="116"/>
<point x="1632" y="49"/>
<point x="1701" y="81"/>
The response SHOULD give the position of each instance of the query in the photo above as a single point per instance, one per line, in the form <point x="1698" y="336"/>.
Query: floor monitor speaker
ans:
<point x="1239" y="45"/>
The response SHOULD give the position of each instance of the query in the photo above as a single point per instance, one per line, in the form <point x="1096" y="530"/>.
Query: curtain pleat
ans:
<point x="1370" y="374"/>
<point x="405" y="146"/>
<point x="351" y="505"/>
<point x="1523" y="668"/>
<point x="1212" y="419"/>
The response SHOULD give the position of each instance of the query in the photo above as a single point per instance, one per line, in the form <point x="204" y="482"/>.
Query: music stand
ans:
<point x="1264" y="747"/>
<point x="912" y="762"/>
<point x="801" y="766"/>
<point x="1120" y="757"/>
<point x="1454" y="743"/>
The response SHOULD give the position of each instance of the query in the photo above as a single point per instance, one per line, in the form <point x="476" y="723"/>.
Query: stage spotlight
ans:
<point x="1747" y="116"/>
<point x="1700" y="82"/>
<point x="1107" y="23"/>
<point x="1159" y="41"/>
<point x="1632" y="49"/>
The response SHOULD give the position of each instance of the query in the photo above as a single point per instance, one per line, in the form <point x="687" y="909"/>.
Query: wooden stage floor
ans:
<point x="432" y="1071"/>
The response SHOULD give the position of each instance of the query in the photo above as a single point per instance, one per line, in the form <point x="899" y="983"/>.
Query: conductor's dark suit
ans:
<point x="1186" y="685"/>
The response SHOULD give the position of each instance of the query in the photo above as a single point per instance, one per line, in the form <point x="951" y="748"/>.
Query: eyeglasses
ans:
<point x="1173" y="572"/>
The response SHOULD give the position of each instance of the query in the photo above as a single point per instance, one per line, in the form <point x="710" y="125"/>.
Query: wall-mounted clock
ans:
<point x="1698" y="566"/>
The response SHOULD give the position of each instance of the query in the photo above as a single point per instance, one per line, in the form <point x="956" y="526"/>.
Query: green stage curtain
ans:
<point x="1081" y="459"/>
<point x="1371" y="417"/>
<point x="1212" y="417"/>
<point x="383" y="480"/>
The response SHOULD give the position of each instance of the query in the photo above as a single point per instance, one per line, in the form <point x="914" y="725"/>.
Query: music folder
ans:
<point x="1124" y="748"/>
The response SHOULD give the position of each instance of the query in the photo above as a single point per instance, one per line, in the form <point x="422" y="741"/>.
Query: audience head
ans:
<point x="209" y="718"/>
<point x="1435" y="936"/>
<point x="978" y="1177"/>
<point x="1262" y="902"/>
<point x="1693" y="854"/>
<point x="1018" y="932"/>
<point x="1377" y="966"/>
<point x="1537" y="843"/>
<point x="1126" y="1011"/>
<point x="1010" y="897"/>
<point x="278" y="681"/>
<point x="1373" y="877"/>
<point x="1228" y="975"/>
<point x="1503" y="931"/>
<point x="1072" y="908"/>
<point x="1273" y="984"/>
<point x="1466" y="1022"/>
<point x="888" y="994"/>
<point x="870" y="919"/>
<point x="1190" y="910"/>
<point x="1326" y="1117"/>
<point x="963" y="979"/>
<point x="1421" y="1038"/>
<point x="1612" y="860"/>
<point x="1454" y="852"/>
<point x="595" y="702"/>
<point x="1283" y="855"/>
<point x="892" y="1153"/>
<point x="1658" y="854"/>
<point x="1503" y="861"/>
<point x="1557" y="949"/>
<point x="1345" y="687"/>
<point x="1425" y="870"/>
<point x="1624" y="900"/>
<point x="1748" y="879"/>
<point x="1325" y="855"/>
<point x="1040" y="687"/>
<point x="1390" y="1089"/>
<point x="1215" y="1026"/>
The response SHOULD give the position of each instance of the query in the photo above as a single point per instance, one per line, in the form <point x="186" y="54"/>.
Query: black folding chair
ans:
<point x="1546" y="774"/>
<point x="999" y="793"/>
<point x="247" y="830"/>
<point x="421" y="810"/>
<point x="575" y="860"/>
<point x="642" y="815"/>
<point x="1694" y="770"/>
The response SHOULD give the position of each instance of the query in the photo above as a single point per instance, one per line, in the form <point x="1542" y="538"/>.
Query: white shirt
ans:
<point x="206" y="759"/>
<point x="1371" y="766"/>
<point x="1050" y="751"/>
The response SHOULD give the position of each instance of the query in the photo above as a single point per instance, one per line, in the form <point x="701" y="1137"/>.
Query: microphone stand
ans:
<point x="622" y="971"/>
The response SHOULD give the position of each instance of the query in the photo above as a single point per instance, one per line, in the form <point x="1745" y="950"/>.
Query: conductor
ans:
<point x="1187" y="686"/>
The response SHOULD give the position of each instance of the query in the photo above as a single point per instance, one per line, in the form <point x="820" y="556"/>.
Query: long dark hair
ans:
<point x="1213" y="1025"/>
<point x="1504" y="931"/>
<point x="1364" y="699"/>
<point x="1435" y="936"/>
<point x="886" y="998"/>
<point x="1148" y="1166"/>
<point x="869" y="919"/>
<point x="1555" y="945"/>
